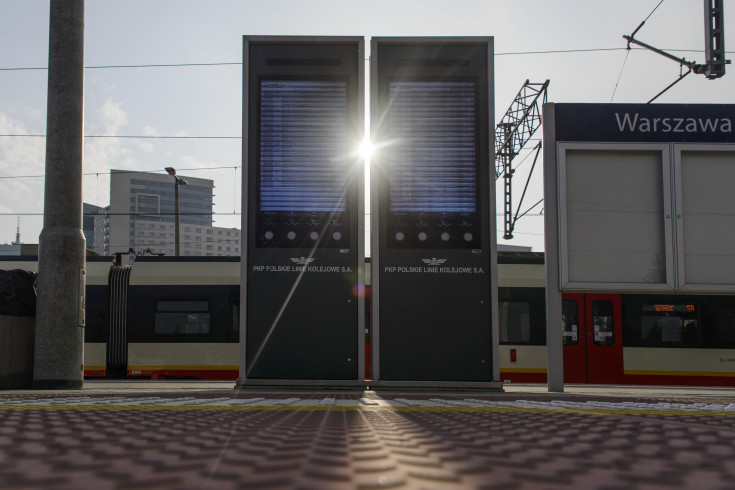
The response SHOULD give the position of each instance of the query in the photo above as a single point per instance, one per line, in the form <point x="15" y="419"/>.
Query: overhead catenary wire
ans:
<point x="239" y="63"/>
<point x="129" y="136"/>
<point x="629" y="49"/>
<point x="194" y="169"/>
<point x="620" y="75"/>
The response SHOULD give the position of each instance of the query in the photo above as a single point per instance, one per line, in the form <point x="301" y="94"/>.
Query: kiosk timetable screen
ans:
<point x="432" y="165"/>
<point x="303" y="163"/>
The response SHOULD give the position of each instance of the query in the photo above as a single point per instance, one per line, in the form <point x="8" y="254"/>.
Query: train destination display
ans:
<point x="303" y="164"/>
<point x="433" y="164"/>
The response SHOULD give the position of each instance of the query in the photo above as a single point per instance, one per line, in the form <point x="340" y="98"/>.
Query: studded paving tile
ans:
<point x="363" y="441"/>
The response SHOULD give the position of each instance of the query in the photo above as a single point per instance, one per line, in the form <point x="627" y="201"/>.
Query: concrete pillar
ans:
<point x="554" y="339"/>
<point x="59" y="349"/>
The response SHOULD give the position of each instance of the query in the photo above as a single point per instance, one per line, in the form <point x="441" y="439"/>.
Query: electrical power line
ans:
<point x="194" y="169"/>
<point x="130" y="136"/>
<point x="620" y="75"/>
<point x="152" y="65"/>
<point x="239" y="63"/>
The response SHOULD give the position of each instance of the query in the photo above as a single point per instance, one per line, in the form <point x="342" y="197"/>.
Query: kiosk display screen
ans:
<point x="432" y="162"/>
<point x="303" y="163"/>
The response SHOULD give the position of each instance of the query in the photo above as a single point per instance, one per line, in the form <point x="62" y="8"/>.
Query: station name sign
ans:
<point x="696" y="123"/>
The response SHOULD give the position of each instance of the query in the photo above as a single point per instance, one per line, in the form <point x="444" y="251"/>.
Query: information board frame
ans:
<point x="567" y="281"/>
<point x="690" y="285"/>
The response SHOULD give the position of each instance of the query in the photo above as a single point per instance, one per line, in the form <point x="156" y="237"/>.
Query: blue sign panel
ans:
<point x="653" y="123"/>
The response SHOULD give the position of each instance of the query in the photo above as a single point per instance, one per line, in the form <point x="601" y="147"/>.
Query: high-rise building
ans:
<point x="89" y="212"/>
<point x="141" y="216"/>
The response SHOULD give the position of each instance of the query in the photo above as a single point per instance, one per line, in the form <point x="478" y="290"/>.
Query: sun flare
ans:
<point x="366" y="149"/>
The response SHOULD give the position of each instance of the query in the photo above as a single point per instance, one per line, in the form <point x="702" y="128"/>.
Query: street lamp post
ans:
<point x="178" y="181"/>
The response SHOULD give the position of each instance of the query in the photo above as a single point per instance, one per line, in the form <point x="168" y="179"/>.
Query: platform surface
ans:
<point x="197" y="435"/>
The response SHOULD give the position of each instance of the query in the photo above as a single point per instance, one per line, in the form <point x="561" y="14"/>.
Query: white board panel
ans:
<point x="706" y="216"/>
<point x="614" y="216"/>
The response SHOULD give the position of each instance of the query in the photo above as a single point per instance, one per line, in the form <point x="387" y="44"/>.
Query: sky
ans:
<point x="576" y="44"/>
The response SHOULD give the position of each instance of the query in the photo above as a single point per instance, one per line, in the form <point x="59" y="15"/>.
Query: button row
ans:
<point x="291" y="235"/>
<point x="423" y="236"/>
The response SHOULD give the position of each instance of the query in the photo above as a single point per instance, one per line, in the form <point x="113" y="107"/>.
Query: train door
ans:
<point x="604" y="333"/>
<point x="575" y="347"/>
<point x="593" y="343"/>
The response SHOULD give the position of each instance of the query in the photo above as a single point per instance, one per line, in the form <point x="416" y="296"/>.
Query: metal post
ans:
<point x="177" y="222"/>
<point x="177" y="181"/>
<point x="59" y="349"/>
<point x="554" y="341"/>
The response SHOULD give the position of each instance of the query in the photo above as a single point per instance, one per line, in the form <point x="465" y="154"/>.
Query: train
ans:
<point x="178" y="317"/>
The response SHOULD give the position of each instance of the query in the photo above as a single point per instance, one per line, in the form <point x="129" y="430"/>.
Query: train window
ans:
<point x="602" y="322"/>
<point x="669" y="324"/>
<point x="726" y="326"/>
<point x="182" y="317"/>
<point x="515" y="322"/>
<point x="236" y="320"/>
<point x="570" y="322"/>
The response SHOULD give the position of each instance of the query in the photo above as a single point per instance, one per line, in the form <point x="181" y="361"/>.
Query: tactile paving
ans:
<point x="364" y="441"/>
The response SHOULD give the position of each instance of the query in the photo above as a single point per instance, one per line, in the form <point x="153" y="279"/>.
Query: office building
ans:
<point x="141" y="216"/>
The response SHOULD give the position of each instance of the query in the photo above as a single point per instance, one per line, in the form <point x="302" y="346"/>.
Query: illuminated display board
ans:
<point x="433" y="164"/>
<point x="303" y="140"/>
<point x="303" y="165"/>
<point x="670" y="308"/>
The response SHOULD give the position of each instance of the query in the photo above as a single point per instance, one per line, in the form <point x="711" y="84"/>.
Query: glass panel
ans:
<point x="182" y="306"/>
<point x="432" y="164"/>
<point x="515" y="322"/>
<point x="168" y="323"/>
<point x="670" y="324"/>
<point x="182" y="317"/>
<point x="570" y="322"/>
<point x="709" y="223"/>
<point x="726" y="326"/>
<point x="602" y="322"/>
<point x="615" y="216"/>
<point x="304" y="164"/>
<point x="303" y="145"/>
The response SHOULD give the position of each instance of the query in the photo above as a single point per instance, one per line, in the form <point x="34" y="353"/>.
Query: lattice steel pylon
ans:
<point x="521" y="120"/>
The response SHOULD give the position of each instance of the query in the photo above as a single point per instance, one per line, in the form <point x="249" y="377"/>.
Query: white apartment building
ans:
<point x="141" y="216"/>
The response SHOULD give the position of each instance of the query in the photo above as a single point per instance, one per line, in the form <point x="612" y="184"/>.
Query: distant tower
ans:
<point x="17" y="234"/>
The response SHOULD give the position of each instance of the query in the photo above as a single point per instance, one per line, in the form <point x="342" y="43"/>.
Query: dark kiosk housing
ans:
<point x="433" y="246"/>
<point x="302" y="209"/>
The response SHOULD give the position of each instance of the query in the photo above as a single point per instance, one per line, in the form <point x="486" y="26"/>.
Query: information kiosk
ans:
<point x="303" y="209"/>
<point x="433" y="219"/>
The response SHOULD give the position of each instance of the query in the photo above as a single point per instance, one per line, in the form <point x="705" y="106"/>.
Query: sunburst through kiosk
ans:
<point x="303" y="208"/>
<point x="433" y="220"/>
